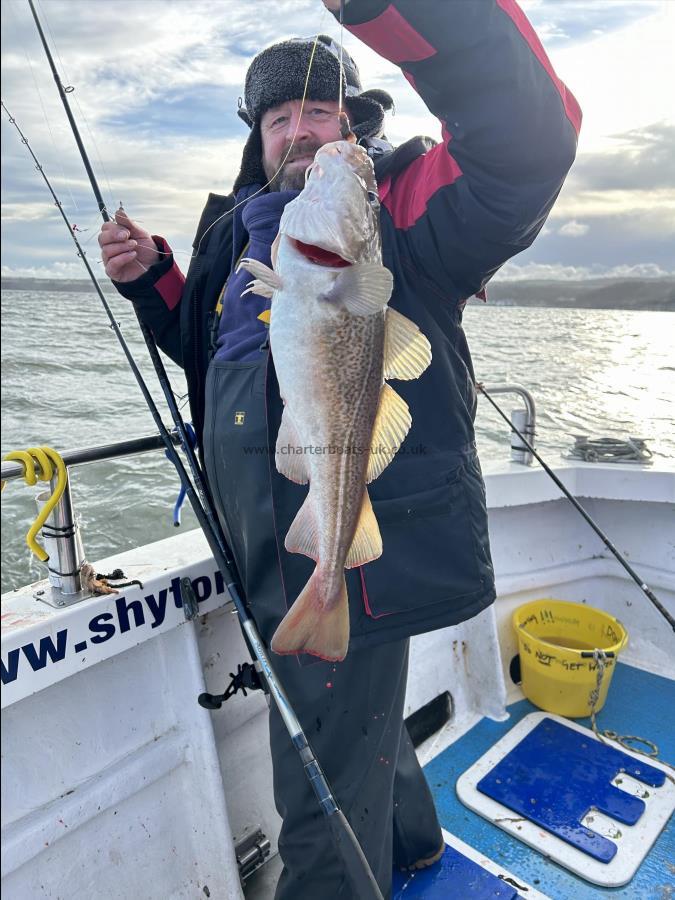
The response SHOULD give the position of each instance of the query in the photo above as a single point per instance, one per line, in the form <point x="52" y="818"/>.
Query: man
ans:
<point x="451" y="215"/>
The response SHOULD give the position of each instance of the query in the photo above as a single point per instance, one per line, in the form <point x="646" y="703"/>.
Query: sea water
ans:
<point x="66" y="383"/>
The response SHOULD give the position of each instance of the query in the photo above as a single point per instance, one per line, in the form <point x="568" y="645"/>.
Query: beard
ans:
<point x="288" y="181"/>
<point x="290" y="178"/>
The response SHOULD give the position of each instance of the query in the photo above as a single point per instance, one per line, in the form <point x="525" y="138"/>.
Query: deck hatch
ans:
<point x="556" y="775"/>
<point x="586" y="804"/>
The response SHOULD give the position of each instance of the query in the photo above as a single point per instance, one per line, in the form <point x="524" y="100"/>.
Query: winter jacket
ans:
<point x="451" y="215"/>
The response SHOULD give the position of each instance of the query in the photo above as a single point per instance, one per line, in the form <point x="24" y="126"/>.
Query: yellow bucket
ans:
<point x="556" y="640"/>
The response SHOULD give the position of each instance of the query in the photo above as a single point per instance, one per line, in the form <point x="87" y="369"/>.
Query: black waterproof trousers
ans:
<point x="352" y="712"/>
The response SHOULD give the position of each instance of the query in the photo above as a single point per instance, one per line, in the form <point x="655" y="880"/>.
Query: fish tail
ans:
<point x="314" y="627"/>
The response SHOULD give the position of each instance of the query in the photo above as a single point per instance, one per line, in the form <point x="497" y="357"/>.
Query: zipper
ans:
<point x="195" y="316"/>
<point x="271" y="475"/>
<point x="196" y="347"/>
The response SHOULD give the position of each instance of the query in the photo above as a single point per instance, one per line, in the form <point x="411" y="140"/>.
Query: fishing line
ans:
<point x="603" y="537"/>
<point x="81" y="253"/>
<point x="283" y="161"/>
<point x="44" y="111"/>
<point x="342" y="68"/>
<point x="112" y="215"/>
<point x="72" y="90"/>
<point x="193" y="255"/>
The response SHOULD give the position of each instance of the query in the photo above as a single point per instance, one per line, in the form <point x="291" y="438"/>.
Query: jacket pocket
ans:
<point x="431" y="548"/>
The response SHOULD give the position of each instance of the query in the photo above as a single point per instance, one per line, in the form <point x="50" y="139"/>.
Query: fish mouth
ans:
<point x="319" y="255"/>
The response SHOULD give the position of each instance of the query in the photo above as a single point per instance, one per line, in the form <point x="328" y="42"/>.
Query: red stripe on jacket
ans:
<point x="519" y="19"/>
<point x="407" y="200"/>
<point x="390" y="35"/>
<point x="171" y="284"/>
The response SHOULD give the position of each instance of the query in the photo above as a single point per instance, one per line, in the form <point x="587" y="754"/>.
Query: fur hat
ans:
<point x="278" y="74"/>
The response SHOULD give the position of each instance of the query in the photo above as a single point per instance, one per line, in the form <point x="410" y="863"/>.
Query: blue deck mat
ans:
<point x="638" y="703"/>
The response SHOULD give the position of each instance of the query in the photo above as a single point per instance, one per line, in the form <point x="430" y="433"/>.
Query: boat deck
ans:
<point x="637" y="704"/>
<point x="149" y="793"/>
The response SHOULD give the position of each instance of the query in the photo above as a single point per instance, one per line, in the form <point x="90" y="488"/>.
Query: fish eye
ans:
<point x="373" y="197"/>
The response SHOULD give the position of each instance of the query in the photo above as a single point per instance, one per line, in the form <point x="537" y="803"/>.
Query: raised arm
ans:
<point x="509" y="132"/>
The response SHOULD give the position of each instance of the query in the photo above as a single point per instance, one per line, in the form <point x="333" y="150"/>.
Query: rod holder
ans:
<point x="63" y="542"/>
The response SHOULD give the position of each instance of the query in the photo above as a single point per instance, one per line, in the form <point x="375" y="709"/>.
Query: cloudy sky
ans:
<point x="156" y="87"/>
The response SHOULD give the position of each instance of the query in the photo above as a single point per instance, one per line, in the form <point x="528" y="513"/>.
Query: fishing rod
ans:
<point x="596" y="528"/>
<point x="346" y="843"/>
<point x="148" y="337"/>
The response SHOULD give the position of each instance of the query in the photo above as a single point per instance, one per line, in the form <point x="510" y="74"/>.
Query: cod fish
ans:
<point x="335" y="344"/>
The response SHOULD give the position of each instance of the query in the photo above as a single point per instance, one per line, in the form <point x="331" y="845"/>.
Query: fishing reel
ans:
<point x="247" y="676"/>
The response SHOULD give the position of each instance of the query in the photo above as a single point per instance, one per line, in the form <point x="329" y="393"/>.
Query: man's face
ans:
<point x="318" y="125"/>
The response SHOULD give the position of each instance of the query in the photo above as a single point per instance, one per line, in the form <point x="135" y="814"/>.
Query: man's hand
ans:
<point x="126" y="249"/>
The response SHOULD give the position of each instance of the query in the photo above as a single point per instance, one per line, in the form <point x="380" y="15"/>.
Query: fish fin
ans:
<point x="275" y="249"/>
<point x="367" y="543"/>
<point x="303" y="535"/>
<point x="260" y="271"/>
<point x="258" y="287"/>
<point x="392" y="423"/>
<point x="364" y="289"/>
<point x="289" y="463"/>
<point x="310" y="627"/>
<point x="407" y="352"/>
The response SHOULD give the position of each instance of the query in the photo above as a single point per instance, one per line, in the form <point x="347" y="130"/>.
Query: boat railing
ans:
<point x="522" y="419"/>
<point x="100" y="453"/>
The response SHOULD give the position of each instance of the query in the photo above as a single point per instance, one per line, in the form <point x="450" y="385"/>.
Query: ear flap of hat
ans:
<point x="366" y="116"/>
<point x="385" y="100"/>
<point x="242" y="112"/>
<point x="251" y="171"/>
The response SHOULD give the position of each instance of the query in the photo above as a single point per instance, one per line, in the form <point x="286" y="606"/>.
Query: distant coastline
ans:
<point x="62" y="285"/>
<point x="592" y="293"/>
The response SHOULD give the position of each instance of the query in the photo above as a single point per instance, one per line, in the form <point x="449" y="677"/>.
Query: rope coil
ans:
<point x="610" y="450"/>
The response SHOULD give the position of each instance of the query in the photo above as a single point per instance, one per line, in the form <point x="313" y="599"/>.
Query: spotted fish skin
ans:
<point x="334" y="342"/>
